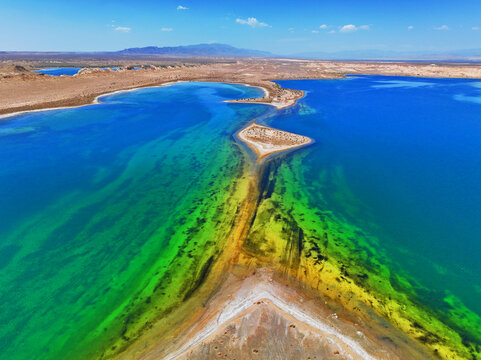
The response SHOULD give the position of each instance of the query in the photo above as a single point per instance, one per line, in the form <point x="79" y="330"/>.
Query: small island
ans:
<point x="266" y="141"/>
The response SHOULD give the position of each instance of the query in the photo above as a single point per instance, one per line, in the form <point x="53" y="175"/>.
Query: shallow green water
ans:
<point x="110" y="213"/>
<point x="396" y="166"/>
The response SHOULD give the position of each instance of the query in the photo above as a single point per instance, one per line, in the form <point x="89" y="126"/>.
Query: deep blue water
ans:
<point x="408" y="151"/>
<point x="59" y="71"/>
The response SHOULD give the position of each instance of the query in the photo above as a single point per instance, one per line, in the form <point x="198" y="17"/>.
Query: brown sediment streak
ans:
<point x="248" y="300"/>
<point x="166" y="335"/>
<point x="251" y="293"/>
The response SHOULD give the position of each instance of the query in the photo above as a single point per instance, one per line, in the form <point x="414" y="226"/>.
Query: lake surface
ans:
<point x="400" y="158"/>
<point x="111" y="212"/>
<point x="59" y="71"/>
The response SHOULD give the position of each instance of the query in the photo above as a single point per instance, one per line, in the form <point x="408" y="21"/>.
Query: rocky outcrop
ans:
<point x="10" y="70"/>
<point x="266" y="141"/>
<point x="86" y="71"/>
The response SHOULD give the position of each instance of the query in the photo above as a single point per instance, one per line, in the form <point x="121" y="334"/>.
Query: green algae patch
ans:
<point x="196" y="244"/>
<point x="295" y="230"/>
<point x="123" y="221"/>
<point x="164" y="260"/>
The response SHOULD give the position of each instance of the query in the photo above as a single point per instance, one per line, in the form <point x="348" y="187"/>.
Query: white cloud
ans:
<point x="252" y="22"/>
<point x="323" y="26"/>
<point x="410" y="27"/>
<point x="122" y="29"/>
<point x="291" y="29"/>
<point x="315" y="31"/>
<point x="353" y="28"/>
<point x="442" y="27"/>
<point x="348" y="28"/>
<point x="166" y="29"/>
<point x="180" y="7"/>
<point x="332" y="32"/>
<point x="476" y="28"/>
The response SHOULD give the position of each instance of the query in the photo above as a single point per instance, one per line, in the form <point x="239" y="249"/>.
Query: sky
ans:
<point x="283" y="27"/>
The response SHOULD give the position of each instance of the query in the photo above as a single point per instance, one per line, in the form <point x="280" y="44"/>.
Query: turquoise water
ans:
<point x="401" y="159"/>
<point x="109" y="212"/>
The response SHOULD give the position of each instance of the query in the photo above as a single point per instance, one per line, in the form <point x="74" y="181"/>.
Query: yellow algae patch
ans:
<point x="339" y="262"/>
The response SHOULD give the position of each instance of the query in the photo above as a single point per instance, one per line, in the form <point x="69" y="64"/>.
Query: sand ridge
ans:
<point x="250" y="303"/>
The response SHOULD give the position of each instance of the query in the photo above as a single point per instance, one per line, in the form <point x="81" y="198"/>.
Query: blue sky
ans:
<point x="281" y="26"/>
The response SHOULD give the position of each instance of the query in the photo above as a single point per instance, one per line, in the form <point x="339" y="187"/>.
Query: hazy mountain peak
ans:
<point x="214" y="49"/>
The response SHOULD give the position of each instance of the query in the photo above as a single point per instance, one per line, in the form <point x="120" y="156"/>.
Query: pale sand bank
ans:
<point x="266" y="141"/>
<point x="260" y="308"/>
<point x="259" y="317"/>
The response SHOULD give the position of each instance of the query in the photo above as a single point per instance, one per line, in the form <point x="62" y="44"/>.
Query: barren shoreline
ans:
<point x="93" y="99"/>
<point x="23" y="90"/>
<point x="26" y="92"/>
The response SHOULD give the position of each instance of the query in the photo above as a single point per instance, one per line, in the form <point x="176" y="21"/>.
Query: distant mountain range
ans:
<point x="224" y="50"/>
<point x="220" y="50"/>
